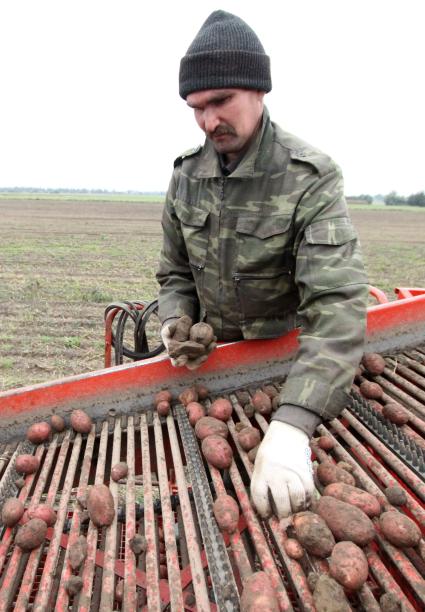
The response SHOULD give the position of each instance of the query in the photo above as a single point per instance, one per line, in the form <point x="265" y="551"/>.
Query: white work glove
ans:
<point x="184" y="360"/>
<point x="283" y="472"/>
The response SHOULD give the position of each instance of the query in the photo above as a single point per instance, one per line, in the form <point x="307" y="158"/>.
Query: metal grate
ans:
<point x="158" y="501"/>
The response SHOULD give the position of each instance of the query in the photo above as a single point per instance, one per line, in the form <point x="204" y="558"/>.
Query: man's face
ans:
<point x="229" y="117"/>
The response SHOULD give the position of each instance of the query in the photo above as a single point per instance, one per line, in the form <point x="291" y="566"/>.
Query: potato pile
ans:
<point x="190" y="340"/>
<point x="340" y="524"/>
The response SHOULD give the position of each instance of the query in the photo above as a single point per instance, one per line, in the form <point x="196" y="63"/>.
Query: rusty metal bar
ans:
<point x="400" y="380"/>
<point x="259" y="540"/>
<point x="152" y="575"/>
<point x="11" y="572"/>
<point x="407" y="400"/>
<point x="367" y="600"/>
<point x="62" y="596"/>
<point x="376" y="468"/>
<point x="33" y="561"/>
<point x="92" y="532"/>
<point x="176" y="596"/>
<point x="385" y="579"/>
<point x="294" y="569"/>
<point x="414" y="363"/>
<point x="130" y="595"/>
<point x="9" y="532"/>
<point x="408" y="372"/>
<point x="398" y="466"/>
<point x="198" y="576"/>
<point x="108" y="576"/>
<point x="43" y="593"/>
<point x="238" y="549"/>
<point x="405" y="567"/>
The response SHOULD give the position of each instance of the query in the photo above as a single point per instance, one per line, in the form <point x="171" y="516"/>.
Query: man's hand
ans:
<point x="283" y="472"/>
<point x="167" y="332"/>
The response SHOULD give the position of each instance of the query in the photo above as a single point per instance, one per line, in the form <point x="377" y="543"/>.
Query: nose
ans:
<point x="211" y="120"/>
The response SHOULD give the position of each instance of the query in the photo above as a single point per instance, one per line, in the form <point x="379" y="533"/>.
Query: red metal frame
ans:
<point x="134" y="383"/>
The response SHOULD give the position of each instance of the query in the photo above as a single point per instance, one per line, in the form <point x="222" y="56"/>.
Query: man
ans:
<point x="257" y="241"/>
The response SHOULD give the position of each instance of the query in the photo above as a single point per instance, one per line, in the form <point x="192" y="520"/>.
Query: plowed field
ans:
<point x="62" y="262"/>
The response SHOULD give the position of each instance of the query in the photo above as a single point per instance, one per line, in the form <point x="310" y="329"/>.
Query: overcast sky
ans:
<point x="89" y="88"/>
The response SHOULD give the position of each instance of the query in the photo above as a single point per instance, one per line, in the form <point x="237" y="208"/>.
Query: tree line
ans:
<point x="391" y="199"/>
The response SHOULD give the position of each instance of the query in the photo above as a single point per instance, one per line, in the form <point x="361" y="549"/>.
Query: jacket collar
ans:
<point x="209" y="164"/>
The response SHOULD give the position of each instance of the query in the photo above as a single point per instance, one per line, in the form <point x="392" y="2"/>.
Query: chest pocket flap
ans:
<point x="263" y="227"/>
<point x="190" y="215"/>
<point x="331" y="231"/>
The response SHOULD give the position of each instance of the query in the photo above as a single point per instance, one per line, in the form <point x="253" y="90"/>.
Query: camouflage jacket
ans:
<point x="266" y="249"/>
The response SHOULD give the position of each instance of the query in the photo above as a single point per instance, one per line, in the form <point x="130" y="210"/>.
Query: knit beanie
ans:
<point x="226" y="52"/>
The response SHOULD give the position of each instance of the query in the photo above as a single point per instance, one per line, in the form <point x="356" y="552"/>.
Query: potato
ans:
<point x="239" y="426"/>
<point x="217" y="451"/>
<point x="396" y="495"/>
<point x="249" y="410"/>
<point x="399" y="529"/>
<point x="163" y="408"/>
<point x="81" y="422"/>
<point x="262" y="403"/>
<point x="138" y="544"/>
<point x="345" y="466"/>
<point x="57" y="422"/>
<point x="31" y="535"/>
<point x="44" y="512"/>
<point x="253" y="453"/>
<point x="74" y="585"/>
<point x="395" y="413"/>
<point x="354" y="496"/>
<point x="202" y="391"/>
<point x="12" y="511"/>
<point x="328" y="472"/>
<point x="27" y="464"/>
<point x="271" y="391"/>
<point x="100" y="505"/>
<point x="195" y="411"/>
<point x="325" y="443"/>
<point x="201" y="333"/>
<point x="346" y="521"/>
<point x="226" y="512"/>
<point x="221" y="409"/>
<point x="188" y="348"/>
<point x="389" y="603"/>
<point x="180" y="329"/>
<point x="348" y="565"/>
<point x="329" y="596"/>
<point x="249" y="437"/>
<point x="313" y="534"/>
<point x="119" y="470"/>
<point x="163" y="396"/>
<point x="20" y="483"/>
<point x="188" y="395"/>
<point x="293" y="548"/>
<point x="275" y="402"/>
<point x="374" y="363"/>
<point x="208" y="426"/>
<point x="258" y="594"/>
<point x="243" y="397"/>
<point x="39" y="432"/>
<point x="119" y="591"/>
<point x="370" y="390"/>
<point x="77" y="552"/>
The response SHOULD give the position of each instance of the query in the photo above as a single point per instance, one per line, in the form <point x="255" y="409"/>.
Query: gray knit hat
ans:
<point x="226" y="52"/>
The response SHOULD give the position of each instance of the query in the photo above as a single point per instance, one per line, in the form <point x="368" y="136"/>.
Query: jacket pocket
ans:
<point x="330" y="232"/>
<point x="264" y="244"/>
<point x="265" y="295"/>
<point x="195" y="232"/>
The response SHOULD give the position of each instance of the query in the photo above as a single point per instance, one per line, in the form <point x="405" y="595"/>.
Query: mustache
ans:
<point x="221" y="130"/>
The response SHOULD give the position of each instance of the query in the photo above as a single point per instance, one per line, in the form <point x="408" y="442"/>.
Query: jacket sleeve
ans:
<point x="177" y="294"/>
<point x="333" y="295"/>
